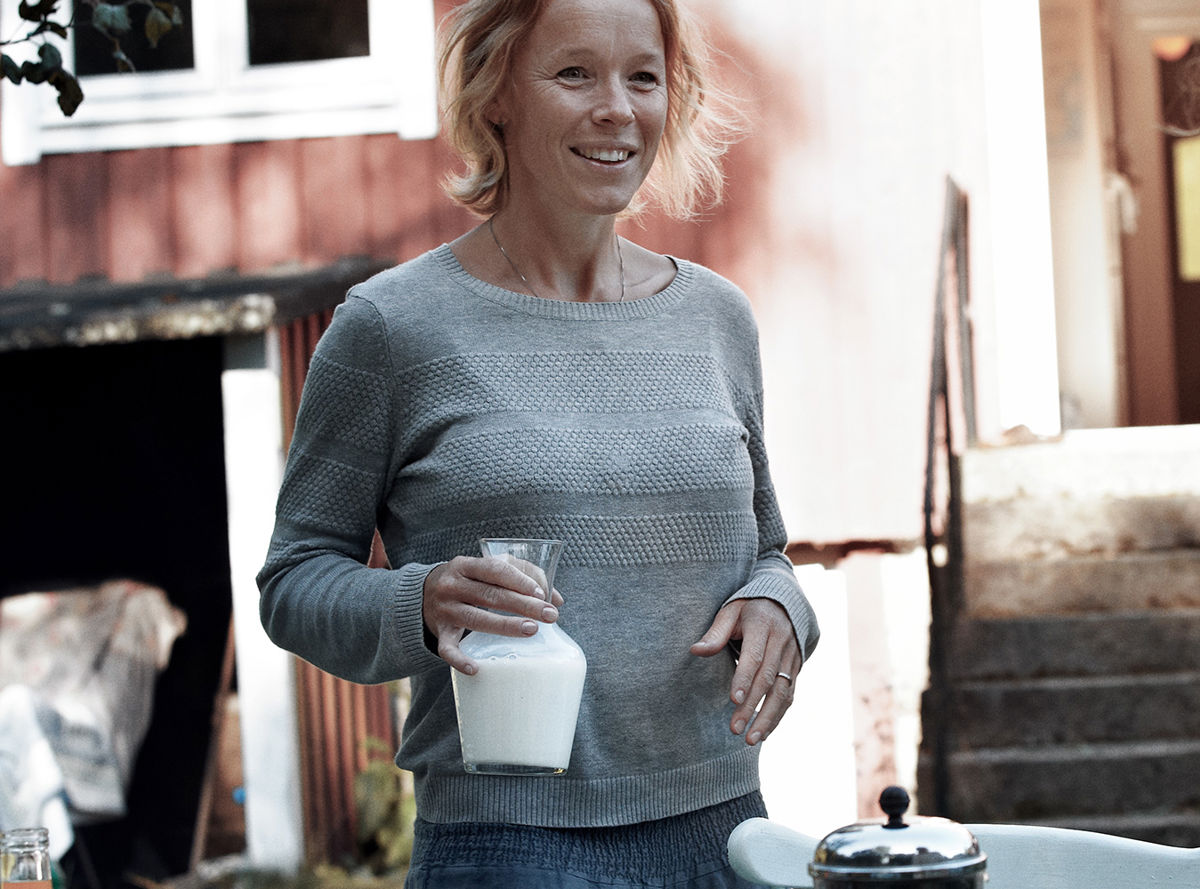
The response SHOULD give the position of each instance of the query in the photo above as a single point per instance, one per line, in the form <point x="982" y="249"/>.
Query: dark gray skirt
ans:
<point x="682" y="852"/>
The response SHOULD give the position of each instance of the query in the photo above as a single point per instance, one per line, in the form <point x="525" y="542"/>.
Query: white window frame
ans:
<point x="223" y="99"/>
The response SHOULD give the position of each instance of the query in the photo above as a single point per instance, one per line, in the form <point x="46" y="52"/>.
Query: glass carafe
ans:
<point x="516" y="716"/>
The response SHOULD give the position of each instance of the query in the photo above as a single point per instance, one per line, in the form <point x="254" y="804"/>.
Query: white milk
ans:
<point x="517" y="714"/>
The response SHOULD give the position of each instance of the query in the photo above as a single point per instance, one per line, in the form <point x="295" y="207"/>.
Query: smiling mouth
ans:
<point x="604" y="155"/>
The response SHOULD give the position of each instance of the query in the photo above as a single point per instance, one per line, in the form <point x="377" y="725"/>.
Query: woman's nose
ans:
<point x="613" y="104"/>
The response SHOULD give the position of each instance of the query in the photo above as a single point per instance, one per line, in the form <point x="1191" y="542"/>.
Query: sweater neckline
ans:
<point x="567" y="309"/>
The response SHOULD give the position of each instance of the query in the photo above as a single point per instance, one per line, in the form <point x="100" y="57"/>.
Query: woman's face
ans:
<point x="585" y="108"/>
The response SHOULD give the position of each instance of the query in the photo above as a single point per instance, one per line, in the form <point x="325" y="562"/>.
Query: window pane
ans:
<point x="306" y="30"/>
<point x="94" y="51"/>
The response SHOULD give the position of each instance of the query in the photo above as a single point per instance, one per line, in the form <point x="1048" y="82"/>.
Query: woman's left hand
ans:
<point x="767" y="668"/>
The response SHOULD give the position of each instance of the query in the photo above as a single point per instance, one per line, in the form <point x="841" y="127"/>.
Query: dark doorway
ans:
<point x="113" y="463"/>
<point x="1180" y="85"/>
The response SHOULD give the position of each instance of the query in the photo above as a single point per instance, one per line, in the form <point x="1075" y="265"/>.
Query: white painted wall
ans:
<point x="863" y="108"/>
<point x="855" y="725"/>
<point x="1024" y="378"/>
<point x="1087" y="273"/>
<point x="807" y="765"/>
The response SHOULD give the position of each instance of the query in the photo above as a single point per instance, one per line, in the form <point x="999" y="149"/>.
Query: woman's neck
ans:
<point x="578" y="260"/>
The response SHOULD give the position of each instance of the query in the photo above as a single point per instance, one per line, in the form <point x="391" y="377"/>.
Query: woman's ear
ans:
<point x="496" y="111"/>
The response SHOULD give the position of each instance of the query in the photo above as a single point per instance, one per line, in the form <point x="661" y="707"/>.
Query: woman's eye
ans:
<point x="572" y="73"/>
<point x="645" y="78"/>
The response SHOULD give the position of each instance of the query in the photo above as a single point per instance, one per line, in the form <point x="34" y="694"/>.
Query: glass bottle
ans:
<point x="517" y="715"/>
<point x="25" y="858"/>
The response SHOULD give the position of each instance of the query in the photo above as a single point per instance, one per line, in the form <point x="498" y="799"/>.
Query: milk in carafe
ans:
<point x="517" y="714"/>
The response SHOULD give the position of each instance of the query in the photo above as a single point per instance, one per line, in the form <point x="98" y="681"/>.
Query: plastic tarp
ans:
<point x="77" y="676"/>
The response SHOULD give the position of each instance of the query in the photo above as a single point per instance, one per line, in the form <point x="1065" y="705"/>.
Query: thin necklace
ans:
<point x="525" y="281"/>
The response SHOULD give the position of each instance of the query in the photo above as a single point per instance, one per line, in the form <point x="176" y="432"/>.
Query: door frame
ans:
<point x="1150" y="343"/>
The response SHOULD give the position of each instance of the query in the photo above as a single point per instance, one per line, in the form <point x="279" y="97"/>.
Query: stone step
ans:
<point x="1088" y="464"/>
<point x="1037" y="526"/>
<point x="1023" y="784"/>
<point x="1044" y="712"/>
<point x="1134" y="581"/>
<point x="1098" y="492"/>
<point x="1120" y="644"/>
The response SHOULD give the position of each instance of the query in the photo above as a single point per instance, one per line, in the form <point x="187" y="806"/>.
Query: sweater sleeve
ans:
<point x="318" y="597"/>
<point x="773" y="576"/>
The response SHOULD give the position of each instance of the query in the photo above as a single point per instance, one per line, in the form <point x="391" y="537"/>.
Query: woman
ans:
<point x="542" y="377"/>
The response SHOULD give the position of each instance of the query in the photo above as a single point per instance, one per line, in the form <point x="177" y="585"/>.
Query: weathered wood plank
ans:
<point x="204" y="210"/>
<point x="333" y="197"/>
<point x="269" y="205"/>
<point x="76" y="216"/>
<point x="139" y="232"/>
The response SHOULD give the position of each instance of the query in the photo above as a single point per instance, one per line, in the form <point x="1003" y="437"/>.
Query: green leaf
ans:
<point x="173" y="11"/>
<point x="70" y="94"/>
<point x="157" y="24"/>
<point x="35" y="12"/>
<point x="49" y="63"/>
<point x="33" y="73"/>
<point x="9" y="68"/>
<point x="111" y="20"/>
<point x="51" y="58"/>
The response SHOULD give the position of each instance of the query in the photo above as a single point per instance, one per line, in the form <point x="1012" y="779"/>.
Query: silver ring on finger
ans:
<point x="786" y="676"/>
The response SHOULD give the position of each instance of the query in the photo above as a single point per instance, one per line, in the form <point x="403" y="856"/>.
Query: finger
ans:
<point x="455" y="600"/>
<point x="460" y="616"/>
<point x="748" y="697"/>
<point x="449" y="651"/>
<point x="529" y="569"/>
<point x="503" y="624"/>
<point x="752" y="677"/>
<point x="768" y="641"/>
<point x="507" y="573"/>
<point x="720" y="632"/>
<point x="505" y="587"/>
<point x="767" y="644"/>
<point x="449" y="636"/>
<point x="776" y="703"/>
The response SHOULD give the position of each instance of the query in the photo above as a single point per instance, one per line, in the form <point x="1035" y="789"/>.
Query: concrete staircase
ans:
<point x="1071" y="689"/>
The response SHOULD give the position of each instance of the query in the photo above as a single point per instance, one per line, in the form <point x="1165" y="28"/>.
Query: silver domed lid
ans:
<point x="898" y="850"/>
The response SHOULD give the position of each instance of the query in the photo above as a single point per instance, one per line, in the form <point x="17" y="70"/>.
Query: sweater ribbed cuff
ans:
<point x="408" y="619"/>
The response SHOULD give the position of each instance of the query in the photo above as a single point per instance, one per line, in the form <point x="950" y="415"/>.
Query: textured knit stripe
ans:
<point x="610" y="541"/>
<point x="441" y="409"/>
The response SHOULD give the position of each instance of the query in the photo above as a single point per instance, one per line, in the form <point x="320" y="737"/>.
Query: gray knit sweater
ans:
<point x="442" y="409"/>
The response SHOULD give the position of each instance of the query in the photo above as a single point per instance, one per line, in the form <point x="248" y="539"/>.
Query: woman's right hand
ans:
<point x="465" y="593"/>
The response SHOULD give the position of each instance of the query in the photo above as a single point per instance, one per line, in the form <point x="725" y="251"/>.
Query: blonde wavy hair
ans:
<point x="477" y="45"/>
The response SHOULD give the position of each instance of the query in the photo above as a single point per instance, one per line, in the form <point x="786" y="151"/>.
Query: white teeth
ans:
<point x="605" y="155"/>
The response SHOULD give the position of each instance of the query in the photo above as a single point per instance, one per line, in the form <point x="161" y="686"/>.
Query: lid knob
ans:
<point x="894" y="802"/>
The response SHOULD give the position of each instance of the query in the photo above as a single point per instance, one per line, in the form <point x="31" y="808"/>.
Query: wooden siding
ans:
<point x="129" y="216"/>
